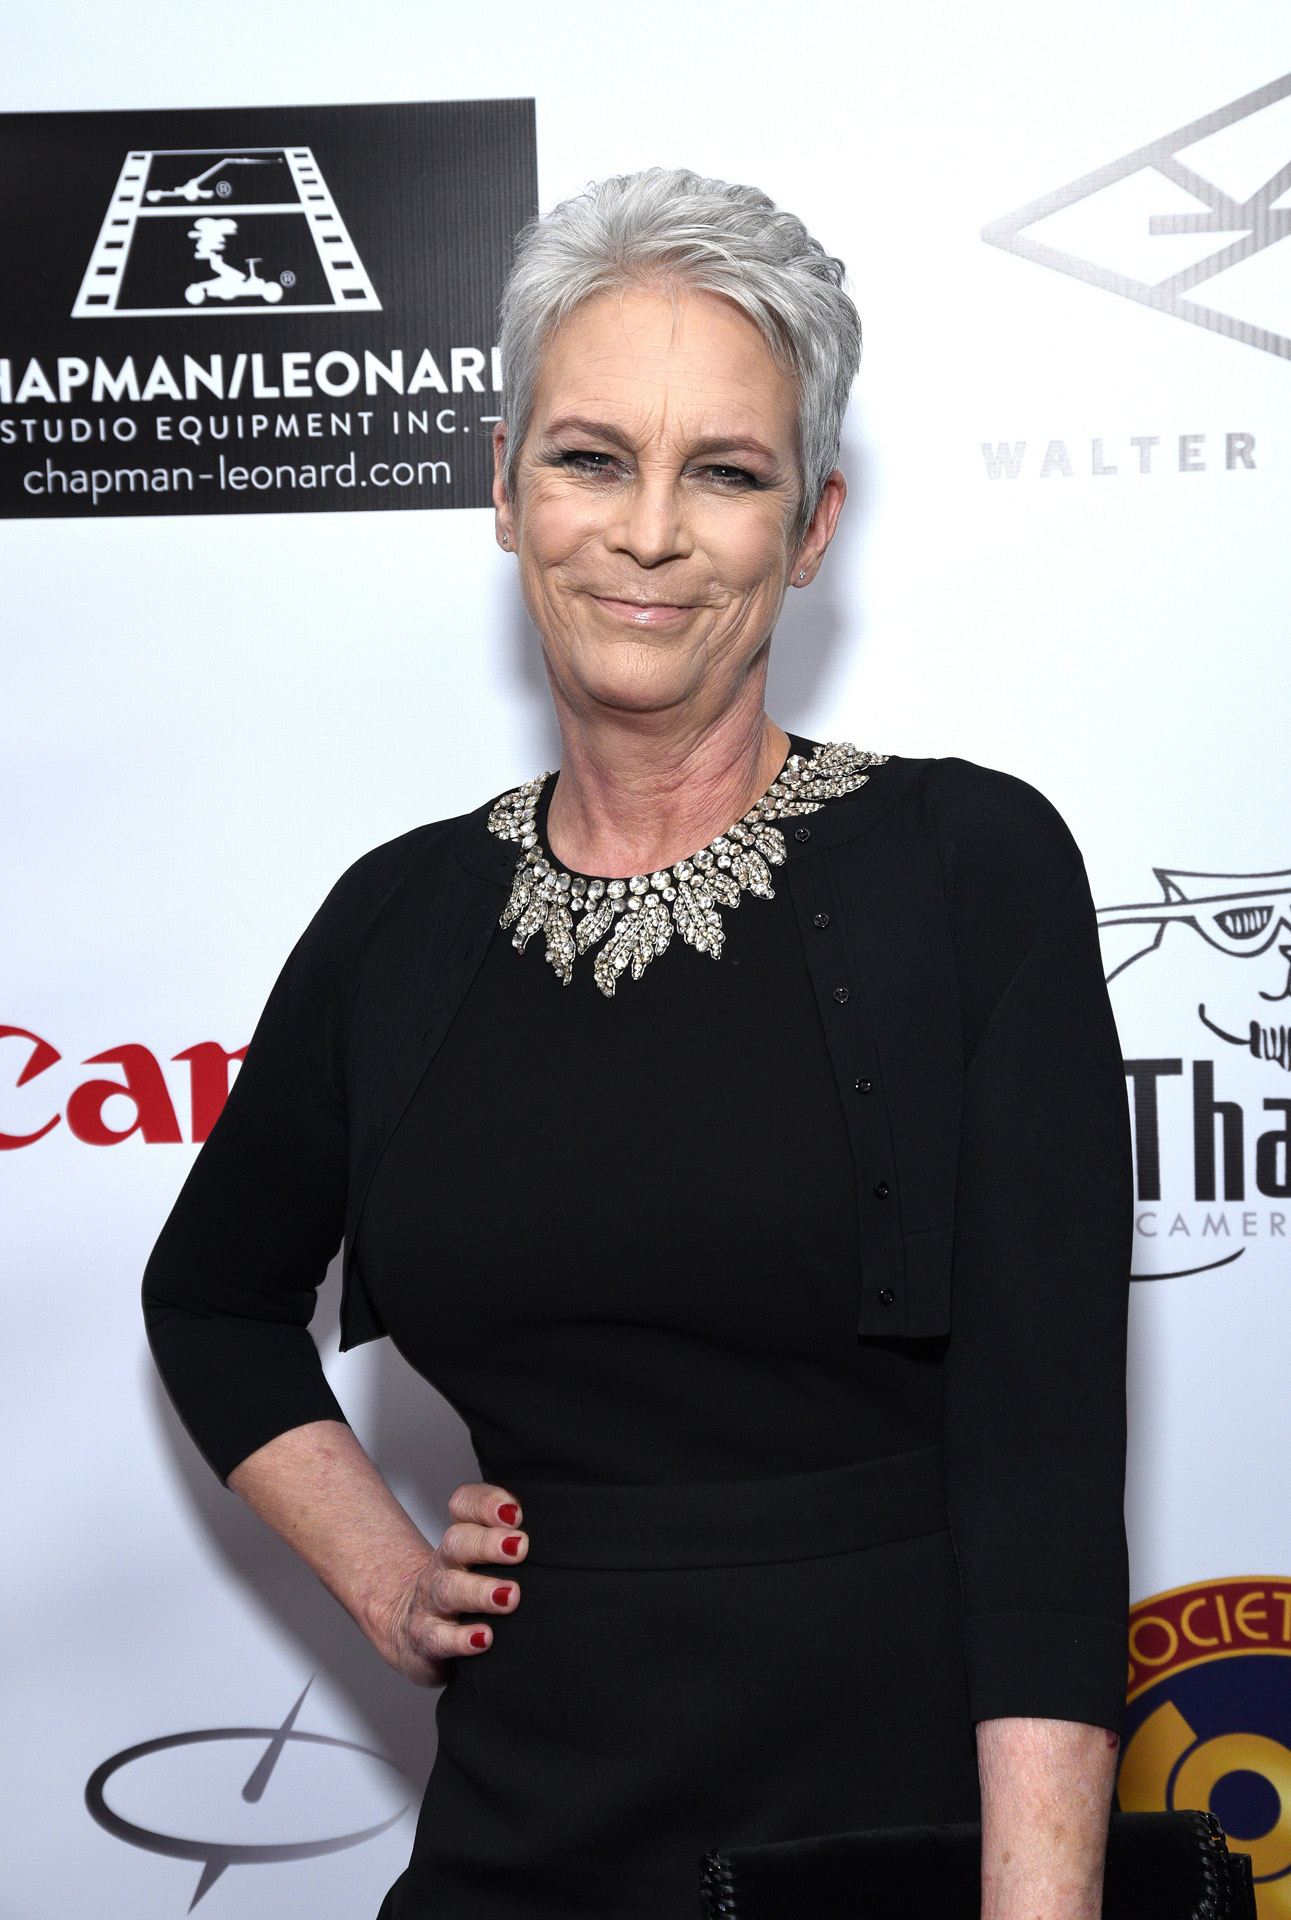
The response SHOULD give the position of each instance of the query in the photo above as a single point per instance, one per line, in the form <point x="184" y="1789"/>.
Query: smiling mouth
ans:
<point x="643" y="613"/>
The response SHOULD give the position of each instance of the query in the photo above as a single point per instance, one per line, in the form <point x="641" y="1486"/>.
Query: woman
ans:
<point x="784" y="1297"/>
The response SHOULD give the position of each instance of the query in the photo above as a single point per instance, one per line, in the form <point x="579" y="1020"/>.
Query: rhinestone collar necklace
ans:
<point x="640" y="915"/>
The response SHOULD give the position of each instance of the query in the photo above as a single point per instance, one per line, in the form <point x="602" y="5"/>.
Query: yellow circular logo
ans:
<point x="1209" y="1722"/>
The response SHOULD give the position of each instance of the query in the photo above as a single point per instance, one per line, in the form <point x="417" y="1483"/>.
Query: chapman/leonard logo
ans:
<point x="1209" y="1722"/>
<point x="205" y="1769"/>
<point x="267" y="234"/>
<point x="1219" y="1125"/>
<point x="257" y="310"/>
<point x="1202" y="207"/>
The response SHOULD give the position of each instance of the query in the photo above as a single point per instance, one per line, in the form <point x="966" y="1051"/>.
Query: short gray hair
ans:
<point x="675" y="228"/>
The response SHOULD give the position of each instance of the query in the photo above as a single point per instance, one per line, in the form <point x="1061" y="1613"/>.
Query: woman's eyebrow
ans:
<point x="704" y="448"/>
<point x="734" y="443"/>
<point x="594" y="429"/>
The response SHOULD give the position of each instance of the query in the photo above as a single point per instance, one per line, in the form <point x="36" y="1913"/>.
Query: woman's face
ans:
<point x="654" y="504"/>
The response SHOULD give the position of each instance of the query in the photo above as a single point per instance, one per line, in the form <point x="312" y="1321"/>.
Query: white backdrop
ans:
<point x="206" y="719"/>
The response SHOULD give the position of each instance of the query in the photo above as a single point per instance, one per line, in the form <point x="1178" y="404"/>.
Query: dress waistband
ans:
<point x="800" y="1516"/>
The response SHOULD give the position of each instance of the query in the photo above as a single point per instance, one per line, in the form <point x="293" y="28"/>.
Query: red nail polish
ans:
<point x="509" y="1514"/>
<point x="501" y="1595"/>
<point x="480" y="1639"/>
<point x="511" y="1545"/>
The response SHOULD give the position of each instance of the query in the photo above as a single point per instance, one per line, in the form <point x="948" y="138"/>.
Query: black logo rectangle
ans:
<point x="270" y="309"/>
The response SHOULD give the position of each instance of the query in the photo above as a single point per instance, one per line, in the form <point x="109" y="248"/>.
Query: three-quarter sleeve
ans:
<point x="232" y="1283"/>
<point x="1035" y="1380"/>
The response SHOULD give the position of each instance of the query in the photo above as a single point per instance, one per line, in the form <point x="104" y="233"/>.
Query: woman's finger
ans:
<point x="451" y="1592"/>
<point x="468" y="1546"/>
<point x="486" y="1505"/>
<point x="431" y="1640"/>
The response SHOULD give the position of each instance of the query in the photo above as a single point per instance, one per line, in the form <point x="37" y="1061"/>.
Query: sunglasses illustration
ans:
<point x="1242" y="916"/>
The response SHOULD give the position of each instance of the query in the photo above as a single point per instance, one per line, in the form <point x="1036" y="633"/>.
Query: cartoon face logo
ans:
<point x="1240" y="916"/>
<point x="1209" y="1721"/>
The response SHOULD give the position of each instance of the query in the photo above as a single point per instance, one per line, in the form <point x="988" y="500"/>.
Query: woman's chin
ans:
<point x="647" y="677"/>
<point x="620" y="694"/>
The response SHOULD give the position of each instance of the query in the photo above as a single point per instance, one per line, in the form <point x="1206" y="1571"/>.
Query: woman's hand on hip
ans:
<point x="426" y="1630"/>
<point x="317" y="1489"/>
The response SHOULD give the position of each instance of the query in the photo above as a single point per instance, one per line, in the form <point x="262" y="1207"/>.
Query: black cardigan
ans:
<point x="951" y="940"/>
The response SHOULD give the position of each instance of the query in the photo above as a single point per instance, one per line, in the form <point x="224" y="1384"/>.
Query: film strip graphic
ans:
<point x="252" y="230"/>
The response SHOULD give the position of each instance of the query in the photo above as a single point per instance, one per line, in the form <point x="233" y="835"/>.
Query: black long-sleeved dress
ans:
<point x="651" y="1247"/>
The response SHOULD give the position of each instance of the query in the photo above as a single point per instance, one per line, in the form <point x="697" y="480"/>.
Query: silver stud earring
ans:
<point x="504" y="539"/>
<point x="803" y="574"/>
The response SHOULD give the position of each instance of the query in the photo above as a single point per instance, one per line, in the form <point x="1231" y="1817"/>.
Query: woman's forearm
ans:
<point x="315" y="1486"/>
<point x="317" y="1489"/>
<point x="1046" y="1795"/>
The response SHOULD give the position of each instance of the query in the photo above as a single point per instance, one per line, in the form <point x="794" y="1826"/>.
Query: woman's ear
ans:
<point x="824" y="524"/>
<point x="504" y="517"/>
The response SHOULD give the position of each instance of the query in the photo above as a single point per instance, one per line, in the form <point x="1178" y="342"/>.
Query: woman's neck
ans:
<point x="636" y="794"/>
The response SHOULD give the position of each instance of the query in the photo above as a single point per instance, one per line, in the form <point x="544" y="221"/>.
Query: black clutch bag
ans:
<point x="1160" y="1866"/>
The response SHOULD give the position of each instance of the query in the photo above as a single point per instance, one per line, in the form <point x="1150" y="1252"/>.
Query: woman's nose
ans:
<point x="650" y="524"/>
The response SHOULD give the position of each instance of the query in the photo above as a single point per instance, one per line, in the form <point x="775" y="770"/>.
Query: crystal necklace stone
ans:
<point x="631" y="922"/>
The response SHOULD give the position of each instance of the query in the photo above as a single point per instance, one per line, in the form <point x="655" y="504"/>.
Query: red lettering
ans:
<point x="208" y="1067"/>
<point x="42" y="1055"/>
<point x="146" y="1086"/>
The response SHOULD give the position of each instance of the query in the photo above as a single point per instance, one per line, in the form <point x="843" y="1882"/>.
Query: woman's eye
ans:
<point x="580" y="460"/>
<point x="732" y="478"/>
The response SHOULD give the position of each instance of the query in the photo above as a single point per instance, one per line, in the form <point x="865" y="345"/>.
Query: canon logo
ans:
<point x="142" y="1084"/>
